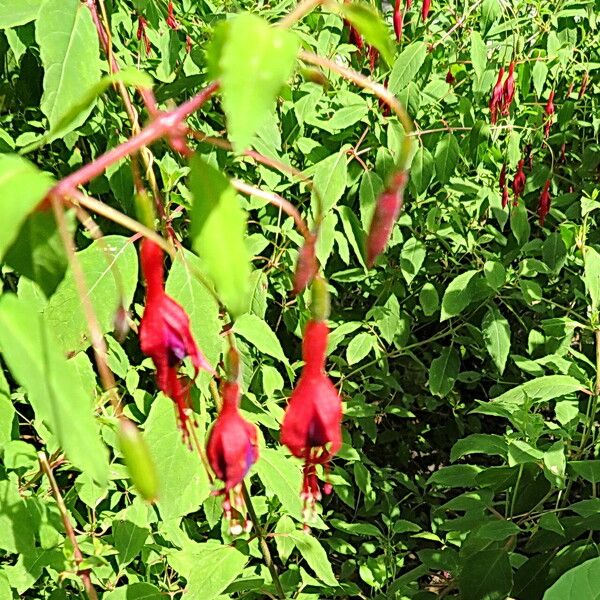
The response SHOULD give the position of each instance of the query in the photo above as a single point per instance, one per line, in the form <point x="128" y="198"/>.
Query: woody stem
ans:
<point x="85" y="573"/>
<point x="262" y="542"/>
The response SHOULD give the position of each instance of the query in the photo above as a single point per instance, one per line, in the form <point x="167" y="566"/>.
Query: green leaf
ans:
<point x="478" y="53"/>
<point x="314" y="554"/>
<point x="591" y="276"/>
<point x="134" y="591"/>
<point x="457" y="295"/>
<point x="52" y="384"/>
<point x="455" y="476"/>
<point x="218" y="232"/>
<point x="18" y="12"/>
<point x="371" y="26"/>
<point x="22" y="188"/>
<point x="128" y="539"/>
<point x="586" y="469"/>
<point x="429" y="299"/>
<point x="411" y="258"/>
<point x="406" y="66"/>
<point x="371" y="186"/>
<point x="330" y="181"/>
<point x="283" y="541"/>
<point x="485" y="575"/>
<point x="479" y="443"/>
<point x="360" y="345"/>
<point x="446" y="157"/>
<point x="70" y="53"/>
<point x="7" y="411"/>
<point x="519" y="223"/>
<point x="421" y="169"/>
<point x="106" y="291"/>
<point x="283" y="477"/>
<point x="541" y="389"/>
<point x="255" y="60"/>
<point x="443" y="372"/>
<point x="496" y="334"/>
<point x="199" y="304"/>
<point x="539" y="74"/>
<point x="583" y="581"/>
<point x="183" y="480"/>
<point x="260" y="335"/>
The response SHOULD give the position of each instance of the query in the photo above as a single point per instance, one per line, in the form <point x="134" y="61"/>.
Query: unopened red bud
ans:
<point x="398" y="19"/>
<point x="121" y="323"/>
<point x="307" y="265"/>
<point x="425" y="9"/>
<point x="138" y="461"/>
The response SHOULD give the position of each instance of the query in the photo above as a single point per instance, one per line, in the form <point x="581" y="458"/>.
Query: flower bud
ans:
<point x="320" y="306"/>
<point x="307" y="266"/>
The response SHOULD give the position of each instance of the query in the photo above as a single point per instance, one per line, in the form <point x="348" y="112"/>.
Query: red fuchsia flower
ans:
<point x="549" y="111"/>
<point x="544" y="202"/>
<point x="503" y="186"/>
<point x="311" y="426"/>
<point x="172" y="22"/>
<point x="231" y="450"/>
<point x="496" y="99"/>
<point x="450" y="78"/>
<point x="165" y="333"/>
<point x="373" y="56"/>
<point x="387" y="209"/>
<point x="355" y="37"/>
<point x="518" y="184"/>
<point x="398" y="19"/>
<point x="508" y="91"/>
<point x="307" y="265"/>
<point x="141" y="33"/>
<point x="425" y="9"/>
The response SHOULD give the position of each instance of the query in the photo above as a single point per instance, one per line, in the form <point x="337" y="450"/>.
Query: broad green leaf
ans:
<point x="134" y="591"/>
<point x="479" y="443"/>
<point x="406" y="66"/>
<point x="183" y="480"/>
<point x="70" y="54"/>
<point x="22" y="188"/>
<point x="541" y="389"/>
<point x="583" y="581"/>
<point x="7" y="411"/>
<point x="330" y="181"/>
<point x="586" y="469"/>
<point x="539" y="73"/>
<point x="494" y="273"/>
<point x="255" y="60"/>
<point x="314" y="554"/>
<point x="260" y="335"/>
<point x="281" y="476"/>
<point x="443" y="372"/>
<point x="478" y="53"/>
<point x="283" y="541"/>
<point x="519" y="223"/>
<point x="128" y="539"/>
<point x="457" y="295"/>
<point x="455" y="476"/>
<point x="360" y="345"/>
<point x="199" y="303"/>
<point x="371" y="186"/>
<point x="485" y="575"/>
<point x="371" y="26"/>
<point x="591" y="276"/>
<point x="218" y="232"/>
<point x="496" y="334"/>
<point x="446" y="157"/>
<point x="421" y="169"/>
<point x="429" y="299"/>
<point x="17" y="529"/>
<point x="110" y="267"/>
<point x="53" y="386"/>
<point x="18" y="12"/>
<point x="554" y="251"/>
<point x="411" y="258"/>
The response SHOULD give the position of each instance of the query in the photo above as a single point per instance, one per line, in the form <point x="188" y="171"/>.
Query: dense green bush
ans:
<point x="467" y="358"/>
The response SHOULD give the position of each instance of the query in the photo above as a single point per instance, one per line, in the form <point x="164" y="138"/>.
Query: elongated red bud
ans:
<point x="172" y="22"/>
<point x="121" y="323"/>
<point x="373" y="56"/>
<point x="584" y="83"/>
<point x="138" y="461"/>
<point x="425" y="9"/>
<point x="549" y="111"/>
<point x="519" y="181"/>
<point x="307" y="266"/>
<point x="387" y="210"/>
<point x="141" y="33"/>
<point x="544" y="202"/>
<point x="508" y="91"/>
<point x="398" y="19"/>
<point x="496" y="98"/>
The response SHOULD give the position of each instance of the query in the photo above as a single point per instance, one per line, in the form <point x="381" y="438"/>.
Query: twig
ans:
<point x="301" y="10"/>
<point x="83" y="573"/>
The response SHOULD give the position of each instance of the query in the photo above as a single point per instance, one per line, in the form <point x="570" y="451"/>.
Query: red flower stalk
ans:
<point x="373" y="56"/>
<point x="172" y="22"/>
<point x="387" y="209"/>
<point x="165" y="333"/>
<point x="231" y="450"/>
<point x="307" y="265"/>
<point x="584" y="83"/>
<point x="503" y="186"/>
<point x="518" y="184"/>
<point x="425" y="9"/>
<point x="508" y="91"/>
<point x="141" y="33"/>
<point x="549" y="111"/>
<point x="398" y="19"/>
<point x="311" y="426"/>
<point x="544" y="202"/>
<point x="496" y="98"/>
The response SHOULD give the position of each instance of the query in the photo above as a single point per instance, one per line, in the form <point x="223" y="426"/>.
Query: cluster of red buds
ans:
<point x="503" y="93"/>
<point x="518" y="184"/>
<point x="172" y="22"/>
<point x="142" y="35"/>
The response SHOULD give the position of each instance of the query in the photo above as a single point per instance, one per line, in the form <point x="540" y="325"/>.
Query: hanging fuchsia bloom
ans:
<point x="373" y="56"/>
<point x="141" y="33"/>
<point x="544" y="202"/>
<point x="231" y="450"/>
<point x="496" y="99"/>
<point x="387" y="209"/>
<point x="398" y="19"/>
<point x="508" y="91"/>
<point x="503" y="186"/>
<point x="311" y="426"/>
<point x="549" y="111"/>
<point x="450" y="78"/>
<point x="172" y="22"/>
<point x="518" y="184"/>
<point x="307" y="265"/>
<point x="165" y="333"/>
<point x="425" y="9"/>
